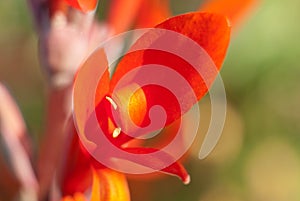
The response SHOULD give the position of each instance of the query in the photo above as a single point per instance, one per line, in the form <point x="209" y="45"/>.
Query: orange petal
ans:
<point x="153" y="12"/>
<point x="210" y="31"/>
<point x="122" y="14"/>
<point x="83" y="5"/>
<point x="76" y="197"/>
<point x="235" y="10"/>
<point x="109" y="185"/>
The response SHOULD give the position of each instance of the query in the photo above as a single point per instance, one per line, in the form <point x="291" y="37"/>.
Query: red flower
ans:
<point x="209" y="31"/>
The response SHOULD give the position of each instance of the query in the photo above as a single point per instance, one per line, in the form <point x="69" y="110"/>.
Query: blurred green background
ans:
<point x="258" y="156"/>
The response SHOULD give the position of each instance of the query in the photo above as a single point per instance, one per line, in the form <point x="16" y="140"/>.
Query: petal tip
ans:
<point x="187" y="180"/>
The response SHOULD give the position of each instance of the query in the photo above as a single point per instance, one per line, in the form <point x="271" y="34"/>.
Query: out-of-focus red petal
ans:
<point x="57" y="5"/>
<point x="122" y="14"/>
<point x="153" y="12"/>
<point x="235" y="10"/>
<point x="9" y="184"/>
<point x="171" y="167"/>
<point x="83" y="5"/>
<point x="77" y="175"/>
<point x="16" y="143"/>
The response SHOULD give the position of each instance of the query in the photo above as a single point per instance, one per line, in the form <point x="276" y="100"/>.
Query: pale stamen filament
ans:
<point x="112" y="102"/>
<point x="116" y="132"/>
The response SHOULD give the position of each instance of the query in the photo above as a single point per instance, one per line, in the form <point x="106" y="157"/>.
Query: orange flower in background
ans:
<point x="62" y="5"/>
<point x="148" y="13"/>
<point x="137" y="14"/>
<point x="235" y="10"/>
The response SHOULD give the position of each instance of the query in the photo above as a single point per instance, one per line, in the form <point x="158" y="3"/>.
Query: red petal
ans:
<point x="107" y="123"/>
<point x="90" y="88"/>
<point x="77" y="176"/>
<point x="142" y="13"/>
<point x="164" y="160"/>
<point x="83" y="172"/>
<point x="209" y="31"/>
<point x="57" y="5"/>
<point x="235" y="10"/>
